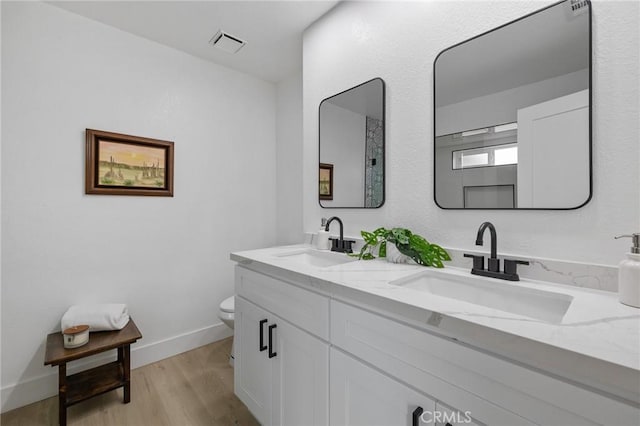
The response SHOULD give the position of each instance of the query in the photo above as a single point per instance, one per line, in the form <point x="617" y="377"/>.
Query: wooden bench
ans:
<point x="98" y="380"/>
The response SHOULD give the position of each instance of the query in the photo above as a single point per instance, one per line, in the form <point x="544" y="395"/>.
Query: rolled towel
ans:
<point x="108" y="316"/>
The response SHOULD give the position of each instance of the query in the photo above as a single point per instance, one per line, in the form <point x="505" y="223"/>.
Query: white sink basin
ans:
<point x="317" y="258"/>
<point x="529" y="302"/>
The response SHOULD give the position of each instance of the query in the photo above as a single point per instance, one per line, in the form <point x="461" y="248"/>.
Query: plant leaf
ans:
<point x="380" y="232"/>
<point x="401" y="235"/>
<point x="369" y="238"/>
<point x="382" y="251"/>
<point x="442" y="253"/>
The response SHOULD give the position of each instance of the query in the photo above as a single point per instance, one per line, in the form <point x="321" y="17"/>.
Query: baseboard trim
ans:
<point x="38" y="388"/>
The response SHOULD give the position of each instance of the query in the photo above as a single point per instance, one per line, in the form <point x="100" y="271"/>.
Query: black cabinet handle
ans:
<point x="416" y="416"/>
<point x="263" y="347"/>
<point x="271" y="352"/>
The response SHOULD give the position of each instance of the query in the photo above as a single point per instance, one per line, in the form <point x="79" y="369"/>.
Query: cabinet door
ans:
<point x="252" y="378"/>
<point x="361" y="395"/>
<point x="300" y="379"/>
<point x="446" y="416"/>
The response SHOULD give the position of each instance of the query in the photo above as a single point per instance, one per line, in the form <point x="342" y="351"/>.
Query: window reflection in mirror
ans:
<point x="352" y="139"/>
<point x="512" y="113"/>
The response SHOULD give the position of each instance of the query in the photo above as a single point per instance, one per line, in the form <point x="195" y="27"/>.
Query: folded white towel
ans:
<point x="108" y="316"/>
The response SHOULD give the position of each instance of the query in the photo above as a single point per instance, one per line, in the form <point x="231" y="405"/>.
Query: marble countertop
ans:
<point x="597" y="341"/>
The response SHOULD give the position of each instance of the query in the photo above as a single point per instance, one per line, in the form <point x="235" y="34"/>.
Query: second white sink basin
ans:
<point x="317" y="258"/>
<point x="504" y="296"/>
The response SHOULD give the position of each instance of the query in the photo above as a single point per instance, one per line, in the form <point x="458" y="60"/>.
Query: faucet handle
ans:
<point x="341" y="246"/>
<point x="478" y="261"/>
<point x="347" y="245"/>
<point x="511" y="266"/>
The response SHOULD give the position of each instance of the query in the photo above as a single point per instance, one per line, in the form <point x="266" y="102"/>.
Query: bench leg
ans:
<point x="62" y="394"/>
<point x="124" y="357"/>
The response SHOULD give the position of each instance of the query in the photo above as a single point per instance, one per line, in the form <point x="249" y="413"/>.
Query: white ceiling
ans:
<point x="272" y="29"/>
<point x="544" y="45"/>
<point x="366" y="99"/>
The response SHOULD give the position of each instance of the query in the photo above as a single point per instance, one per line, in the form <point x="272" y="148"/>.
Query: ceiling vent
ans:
<point x="227" y="42"/>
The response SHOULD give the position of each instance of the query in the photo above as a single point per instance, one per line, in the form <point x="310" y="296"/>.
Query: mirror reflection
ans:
<point x="512" y="114"/>
<point x="352" y="138"/>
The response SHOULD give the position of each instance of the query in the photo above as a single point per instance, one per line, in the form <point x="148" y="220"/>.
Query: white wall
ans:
<point x="167" y="258"/>
<point x="357" y="41"/>
<point x="0" y="203"/>
<point x="502" y="107"/>
<point x="289" y="160"/>
<point x="344" y="142"/>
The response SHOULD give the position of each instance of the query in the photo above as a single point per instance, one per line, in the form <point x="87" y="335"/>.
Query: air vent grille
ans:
<point x="227" y="42"/>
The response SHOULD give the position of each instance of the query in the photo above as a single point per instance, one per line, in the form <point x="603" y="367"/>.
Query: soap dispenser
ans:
<point x="323" y="236"/>
<point x="629" y="274"/>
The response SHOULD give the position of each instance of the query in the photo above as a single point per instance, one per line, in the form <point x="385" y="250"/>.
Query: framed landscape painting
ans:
<point x="118" y="164"/>
<point x="326" y="181"/>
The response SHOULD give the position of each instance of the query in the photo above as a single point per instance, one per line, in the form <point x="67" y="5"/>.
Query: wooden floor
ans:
<point x="193" y="388"/>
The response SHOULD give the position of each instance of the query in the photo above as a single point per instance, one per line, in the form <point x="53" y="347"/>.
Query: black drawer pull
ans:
<point x="271" y="352"/>
<point x="263" y="347"/>
<point x="416" y="416"/>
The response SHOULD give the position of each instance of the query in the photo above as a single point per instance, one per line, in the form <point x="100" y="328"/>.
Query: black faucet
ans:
<point x="340" y="245"/>
<point x="493" y="263"/>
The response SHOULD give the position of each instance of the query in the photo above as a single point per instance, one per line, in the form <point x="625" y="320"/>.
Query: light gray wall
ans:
<point x="167" y="258"/>
<point x="289" y="160"/>
<point x="357" y="41"/>
<point x="343" y="135"/>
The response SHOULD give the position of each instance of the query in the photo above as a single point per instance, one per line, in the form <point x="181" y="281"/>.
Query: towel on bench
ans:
<point x="108" y="316"/>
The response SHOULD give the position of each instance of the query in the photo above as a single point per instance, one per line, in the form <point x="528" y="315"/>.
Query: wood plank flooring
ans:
<point x="193" y="388"/>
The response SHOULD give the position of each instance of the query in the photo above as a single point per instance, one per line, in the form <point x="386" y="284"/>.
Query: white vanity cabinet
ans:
<point x="307" y="356"/>
<point x="363" y="396"/>
<point x="253" y="368"/>
<point x="449" y="417"/>
<point x="491" y="390"/>
<point x="281" y="371"/>
<point x="404" y="353"/>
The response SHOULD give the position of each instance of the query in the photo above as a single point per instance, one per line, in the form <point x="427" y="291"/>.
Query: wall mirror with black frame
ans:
<point x="352" y="147"/>
<point x="512" y="114"/>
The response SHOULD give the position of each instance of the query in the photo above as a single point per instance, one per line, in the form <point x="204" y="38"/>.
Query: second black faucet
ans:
<point x="493" y="263"/>
<point x="340" y="245"/>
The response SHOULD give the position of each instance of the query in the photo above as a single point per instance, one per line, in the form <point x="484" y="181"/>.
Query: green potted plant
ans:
<point x="411" y="245"/>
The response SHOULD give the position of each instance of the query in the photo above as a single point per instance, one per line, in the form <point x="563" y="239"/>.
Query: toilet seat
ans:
<point x="228" y="305"/>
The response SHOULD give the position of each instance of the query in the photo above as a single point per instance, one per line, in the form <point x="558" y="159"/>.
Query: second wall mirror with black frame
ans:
<point x="351" y="172"/>
<point x="512" y="114"/>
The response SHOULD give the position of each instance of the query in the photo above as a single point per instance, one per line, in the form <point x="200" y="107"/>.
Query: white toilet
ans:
<point x="226" y="314"/>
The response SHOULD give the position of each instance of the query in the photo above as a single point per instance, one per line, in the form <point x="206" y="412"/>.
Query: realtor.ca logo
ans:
<point x="444" y="417"/>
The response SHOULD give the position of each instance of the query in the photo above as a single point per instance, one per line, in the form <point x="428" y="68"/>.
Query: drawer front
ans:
<point x="435" y="364"/>
<point x="303" y="308"/>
